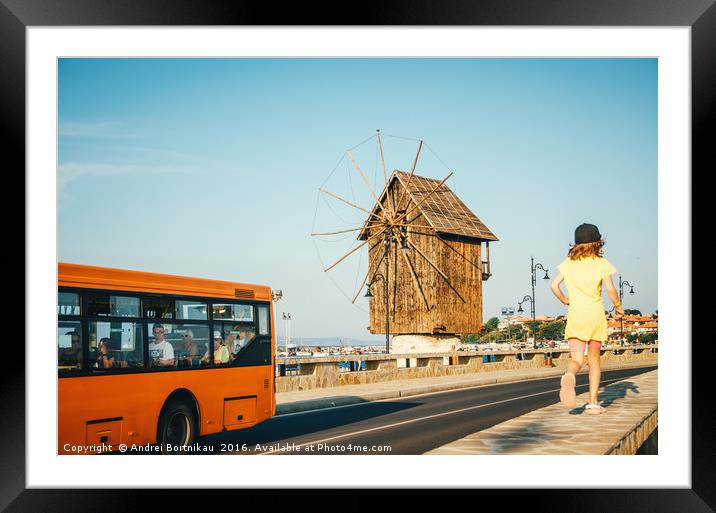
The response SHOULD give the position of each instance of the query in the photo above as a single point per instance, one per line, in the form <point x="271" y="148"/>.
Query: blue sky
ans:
<point x="211" y="167"/>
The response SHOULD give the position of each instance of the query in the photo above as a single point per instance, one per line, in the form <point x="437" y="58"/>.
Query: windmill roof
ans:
<point x="443" y="210"/>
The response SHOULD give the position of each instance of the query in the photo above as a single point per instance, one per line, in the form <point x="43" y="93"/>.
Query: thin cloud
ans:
<point x="72" y="171"/>
<point x="94" y="129"/>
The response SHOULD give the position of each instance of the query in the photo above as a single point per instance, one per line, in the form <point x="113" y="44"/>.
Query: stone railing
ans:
<point x="326" y="371"/>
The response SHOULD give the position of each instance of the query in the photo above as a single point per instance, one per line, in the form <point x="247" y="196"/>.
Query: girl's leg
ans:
<point x="567" y="391"/>
<point x="576" y="350"/>
<point x="595" y="371"/>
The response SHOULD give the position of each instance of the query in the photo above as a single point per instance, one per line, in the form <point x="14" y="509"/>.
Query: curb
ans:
<point x="637" y="435"/>
<point x="337" y="400"/>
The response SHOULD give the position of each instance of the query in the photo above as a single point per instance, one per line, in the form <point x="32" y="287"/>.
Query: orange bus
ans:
<point x="154" y="360"/>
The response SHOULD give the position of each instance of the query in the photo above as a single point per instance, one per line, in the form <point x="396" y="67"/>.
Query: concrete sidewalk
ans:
<point x="631" y="416"/>
<point x="304" y="400"/>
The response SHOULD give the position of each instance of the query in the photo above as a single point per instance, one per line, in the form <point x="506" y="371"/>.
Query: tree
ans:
<point x="493" y="336"/>
<point x="491" y="325"/>
<point x="551" y="330"/>
<point x="632" y="337"/>
<point x="632" y="312"/>
<point x="647" y="338"/>
<point x="515" y="332"/>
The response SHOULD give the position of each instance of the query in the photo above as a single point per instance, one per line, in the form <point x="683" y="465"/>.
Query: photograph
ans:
<point x="471" y="245"/>
<point x="412" y="306"/>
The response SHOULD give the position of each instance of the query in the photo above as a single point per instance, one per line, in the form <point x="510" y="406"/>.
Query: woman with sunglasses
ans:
<point x="105" y="358"/>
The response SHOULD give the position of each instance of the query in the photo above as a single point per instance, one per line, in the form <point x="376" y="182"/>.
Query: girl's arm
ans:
<point x="557" y="291"/>
<point x="613" y="295"/>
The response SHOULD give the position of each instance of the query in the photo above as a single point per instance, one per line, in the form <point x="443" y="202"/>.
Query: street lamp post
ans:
<point x="276" y="296"/>
<point x="621" y="295"/>
<point x="389" y="238"/>
<point x="533" y="269"/>
<point x="368" y="294"/>
<point x="287" y="318"/>
<point x="520" y="310"/>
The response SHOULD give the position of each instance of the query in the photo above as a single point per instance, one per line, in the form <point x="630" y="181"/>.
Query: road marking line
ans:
<point x="541" y="378"/>
<point x="428" y="417"/>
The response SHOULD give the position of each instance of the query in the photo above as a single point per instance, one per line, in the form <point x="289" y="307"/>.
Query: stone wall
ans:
<point x="324" y="372"/>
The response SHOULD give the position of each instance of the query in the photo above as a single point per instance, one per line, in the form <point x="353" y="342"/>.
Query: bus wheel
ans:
<point x="177" y="427"/>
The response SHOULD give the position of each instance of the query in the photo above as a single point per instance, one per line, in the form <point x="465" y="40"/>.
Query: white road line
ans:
<point x="391" y="399"/>
<point x="387" y="426"/>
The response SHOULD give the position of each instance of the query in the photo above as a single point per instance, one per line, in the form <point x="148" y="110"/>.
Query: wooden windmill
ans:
<point x="437" y="267"/>
<point x="425" y="256"/>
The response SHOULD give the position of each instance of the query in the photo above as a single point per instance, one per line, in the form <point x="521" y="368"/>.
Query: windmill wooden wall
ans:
<point x="460" y="259"/>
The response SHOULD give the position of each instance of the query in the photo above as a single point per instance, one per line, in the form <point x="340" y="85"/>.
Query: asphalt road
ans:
<point x="412" y="425"/>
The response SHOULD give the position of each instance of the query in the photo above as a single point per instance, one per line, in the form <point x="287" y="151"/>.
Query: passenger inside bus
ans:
<point x="187" y="351"/>
<point x="161" y="352"/>
<point x="71" y="356"/>
<point x="105" y="358"/>
<point x="246" y="335"/>
<point x="221" y="354"/>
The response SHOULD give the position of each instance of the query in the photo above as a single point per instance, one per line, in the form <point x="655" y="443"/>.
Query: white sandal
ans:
<point x="594" y="409"/>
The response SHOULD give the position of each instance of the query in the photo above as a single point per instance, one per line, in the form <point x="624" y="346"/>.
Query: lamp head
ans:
<point x="404" y="245"/>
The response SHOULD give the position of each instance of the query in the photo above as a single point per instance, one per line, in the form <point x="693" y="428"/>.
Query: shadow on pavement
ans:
<point x="287" y="426"/>
<point x="609" y="394"/>
<point x="508" y="441"/>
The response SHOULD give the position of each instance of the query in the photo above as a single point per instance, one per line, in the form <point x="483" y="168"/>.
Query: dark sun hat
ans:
<point x="586" y="233"/>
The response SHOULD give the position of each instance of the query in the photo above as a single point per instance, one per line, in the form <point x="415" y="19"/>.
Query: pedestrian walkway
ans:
<point x="316" y="398"/>
<point x="631" y="416"/>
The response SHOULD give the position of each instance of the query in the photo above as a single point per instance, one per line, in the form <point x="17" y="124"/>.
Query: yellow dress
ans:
<point x="586" y="319"/>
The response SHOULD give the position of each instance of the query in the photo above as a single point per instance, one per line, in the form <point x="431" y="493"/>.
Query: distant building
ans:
<point x="525" y="322"/>
<point x="631" y="324"/>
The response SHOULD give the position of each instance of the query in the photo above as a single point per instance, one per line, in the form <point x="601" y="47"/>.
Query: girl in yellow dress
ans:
<point x="583" y="271"/>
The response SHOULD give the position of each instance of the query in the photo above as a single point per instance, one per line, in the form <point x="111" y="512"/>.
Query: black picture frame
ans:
<point x="17" y="15"/>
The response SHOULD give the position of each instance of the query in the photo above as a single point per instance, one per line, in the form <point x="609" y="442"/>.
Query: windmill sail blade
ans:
<point x="456" y="251"/>
<point x="410" y="177"/>
<point x="355" y="249"/>
<point x="416" y="280"/>
<point x="411" y="225"/>
<point x="395" y="278"/>
<point x="363" y="177"/>
<point x="407" y="213"/>
<point x="391" y="208"/>
<point x="343" y="231"/>
<point x="365" y="279"/>
<point x="447" y="280"/>
<point x="351" y="204"/>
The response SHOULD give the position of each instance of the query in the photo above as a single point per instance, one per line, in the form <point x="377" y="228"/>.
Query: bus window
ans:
<point x="69" y="345"/>
<point x="263" y="319"/>
<point x="232" y="312"/>
<point x="191" y="310"/>
<point x="158" y="308"/>
<point x="104" y="305"/>
<point x="125" y="344"/>
<point x="68" y="303"/>
<point x="121" y="306"/>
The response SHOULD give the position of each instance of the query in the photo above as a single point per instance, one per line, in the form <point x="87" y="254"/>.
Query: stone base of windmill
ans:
<point x="411" y="344"/>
